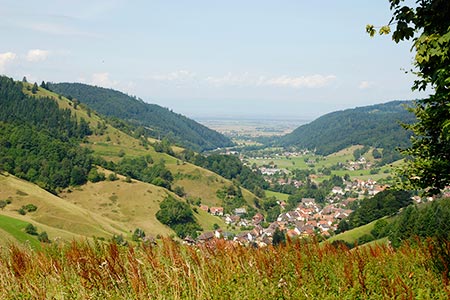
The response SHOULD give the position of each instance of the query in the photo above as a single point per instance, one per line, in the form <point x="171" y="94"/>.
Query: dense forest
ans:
<point x="383" y="204"/>
<point x="40" y="142"/>
<point x="376" y="126"/>
<point x="162" y="122"/>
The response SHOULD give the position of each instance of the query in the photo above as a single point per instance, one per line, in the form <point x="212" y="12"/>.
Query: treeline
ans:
<point x="160" y="121"/>
<point x="377" y="126"/>
<point x="428" y="220"/>
<point x="413" y="223"/>
<point x="40" y="113"/>
<point x="231" y="167"/>
<point x="385" y="203"/>
<point x="141" y="168"/>
<point x="40" y="142"/>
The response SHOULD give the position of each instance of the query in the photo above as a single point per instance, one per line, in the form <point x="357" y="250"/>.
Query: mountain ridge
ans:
<point x="160" y="121"/>
<point x="367" y="125"/>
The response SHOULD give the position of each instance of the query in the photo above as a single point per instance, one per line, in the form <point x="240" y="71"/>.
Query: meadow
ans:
<point x="222" y="270"/>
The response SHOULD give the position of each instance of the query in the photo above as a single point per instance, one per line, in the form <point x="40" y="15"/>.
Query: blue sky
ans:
<point x="212" y="58"/>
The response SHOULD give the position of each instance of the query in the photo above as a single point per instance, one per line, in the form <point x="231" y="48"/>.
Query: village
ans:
<point x="309" y="219"/>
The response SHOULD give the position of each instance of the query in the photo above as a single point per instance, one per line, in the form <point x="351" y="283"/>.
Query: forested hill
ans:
<point x="375" y="125"/>
<point x="161" y="121"/>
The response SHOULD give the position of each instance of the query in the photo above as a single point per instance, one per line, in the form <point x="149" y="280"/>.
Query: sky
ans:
<point x="206" y="59"/>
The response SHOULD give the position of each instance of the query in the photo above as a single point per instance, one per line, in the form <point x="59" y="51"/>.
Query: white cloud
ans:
<point x="178" y="75"/>
<point x="5" y="58"/>
<point x="247" y="80"/>
<point x="365" y="85"/>
<point x="37" y="55"/>
<point x="231" y="80"/>
<point x="310" y="81"/>
<point x="103" y="80"/>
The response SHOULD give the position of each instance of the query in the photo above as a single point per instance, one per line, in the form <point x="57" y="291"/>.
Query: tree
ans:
<point x="34" y="89"/>
<point x="138" y="235"/>
<point x="278" y="237"/>
<point x="428" y="26"/>
<point x="43" y="237"/>
<point x="31" y="229"/>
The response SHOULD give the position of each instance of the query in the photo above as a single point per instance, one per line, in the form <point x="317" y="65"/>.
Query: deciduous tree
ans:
<point x="427" y="25"/>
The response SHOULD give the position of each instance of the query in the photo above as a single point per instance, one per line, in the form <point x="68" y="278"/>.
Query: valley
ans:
<point x="107" y="181"/>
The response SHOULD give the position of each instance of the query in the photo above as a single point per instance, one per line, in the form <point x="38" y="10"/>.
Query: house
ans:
<point x="308" y="230"/>
<point x="240" y="211"/>
<point x="308" y="202"/>
<point x="292" y="233"/>
<point x="243" y="237"/>
<point x="257" y="218"/>
<point x="337" y="190"/>
<point x="189" y="241"/>
<point x="232" y="219"/>
<point x="257" y="231"/>
<point x="206" y="236"/>
<point x="204" y="207"/>
<point x="312" y="223"/>
<point x="218" y="233"/>
<point x="216" y="211"/>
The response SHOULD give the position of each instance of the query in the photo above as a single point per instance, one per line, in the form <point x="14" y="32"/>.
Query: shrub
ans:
<point x="138" y="234"/>
<point x="112" y="177"/>
<point x="30" y="207"/>
<point x="95" y="176"/>
<point x="31" y="229"/>
<point x="43" y="237"/>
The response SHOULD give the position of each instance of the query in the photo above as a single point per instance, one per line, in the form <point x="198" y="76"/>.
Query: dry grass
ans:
<point x="219" y="270"/>
<point x="57" y="217"/>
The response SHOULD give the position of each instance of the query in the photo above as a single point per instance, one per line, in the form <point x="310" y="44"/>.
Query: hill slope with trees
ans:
<point x="162" y="122"/>
<point x="375" y="125"/>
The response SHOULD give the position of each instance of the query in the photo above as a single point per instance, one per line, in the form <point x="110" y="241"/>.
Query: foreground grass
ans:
<point x="220" y="270"/>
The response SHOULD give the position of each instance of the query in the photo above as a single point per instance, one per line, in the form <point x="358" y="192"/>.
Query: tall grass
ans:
<point x="221" y="270"/>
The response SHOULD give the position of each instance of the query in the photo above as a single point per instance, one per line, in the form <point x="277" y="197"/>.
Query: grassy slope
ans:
<point x="279" y="196"/>
<point x="12" y="229"/>
<point x="129" y="206"/>
<point x="352" y="235"/>
<point x="57" y="217"/>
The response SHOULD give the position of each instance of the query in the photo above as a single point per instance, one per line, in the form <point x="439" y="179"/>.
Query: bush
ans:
<point x="179" y="190"/>
<point x="43" y="237"/>
<point x="138" y="235"/>
<point x="112" y="177"/>
<point x="31" y="229"/>
<point x="95" y="176"/>
<point x="30" y="207"/>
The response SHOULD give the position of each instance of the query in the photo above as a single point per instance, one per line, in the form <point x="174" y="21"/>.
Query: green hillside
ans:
<point x="56" y="148"/>
<point x="161" y="121"/>
<point x="376" y="125"/>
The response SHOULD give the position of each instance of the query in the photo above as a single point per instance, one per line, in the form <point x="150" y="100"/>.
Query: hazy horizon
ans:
<point x="200" y="58"/>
